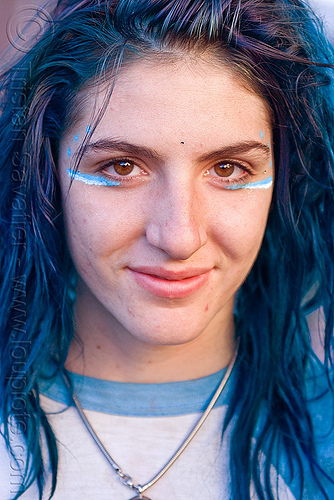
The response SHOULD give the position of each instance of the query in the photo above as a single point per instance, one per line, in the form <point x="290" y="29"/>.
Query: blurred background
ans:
<point x="14" y="20"/>
<point x="325" y="8"/>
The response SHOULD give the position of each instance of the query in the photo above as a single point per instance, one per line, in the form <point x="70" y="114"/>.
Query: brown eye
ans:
<point x="224" y="169"/>
<point x="123" y="167"/>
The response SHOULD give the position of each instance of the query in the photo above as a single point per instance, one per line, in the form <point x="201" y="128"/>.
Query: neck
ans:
<point x="104" y="349"/>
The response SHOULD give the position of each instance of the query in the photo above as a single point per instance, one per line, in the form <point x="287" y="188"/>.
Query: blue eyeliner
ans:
<point x="92" y="180"/>
<point x="266" y="184"/>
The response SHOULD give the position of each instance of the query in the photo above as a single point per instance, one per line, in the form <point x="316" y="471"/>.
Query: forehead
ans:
<point x="187" y="97"/>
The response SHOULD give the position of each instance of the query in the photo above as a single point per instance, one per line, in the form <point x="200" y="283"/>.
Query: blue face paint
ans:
<point x="270" y="164"/>
<point x="92" y="180"/>
<point x="69" y="152"/>
<point x="76" y="138"/>
<point x="261" y="134"/>
<point x="268" y="144"/>
<point x="265" y="184"/>
<point x="88" y="129"/>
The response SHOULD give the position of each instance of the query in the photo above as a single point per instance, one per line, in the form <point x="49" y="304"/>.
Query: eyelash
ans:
<point x="119" y="178"/>
<point x="215" y="178"/>
<point x="244" y="179"/>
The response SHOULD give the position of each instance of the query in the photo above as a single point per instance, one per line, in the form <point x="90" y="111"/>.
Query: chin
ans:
<point x="168" y="335"/>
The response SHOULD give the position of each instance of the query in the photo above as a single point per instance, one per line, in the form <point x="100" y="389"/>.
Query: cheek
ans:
<point x="96" y="226"/>
<point x="241" y="225"/>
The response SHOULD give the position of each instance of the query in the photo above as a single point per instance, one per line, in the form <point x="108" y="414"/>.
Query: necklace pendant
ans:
<point x="140" y="497"/>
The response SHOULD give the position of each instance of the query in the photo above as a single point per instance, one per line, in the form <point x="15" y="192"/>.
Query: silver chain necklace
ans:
<point x="125" y="478"/>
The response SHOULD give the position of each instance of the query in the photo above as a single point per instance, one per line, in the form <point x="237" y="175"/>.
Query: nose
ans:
<point x="175" y="222"/>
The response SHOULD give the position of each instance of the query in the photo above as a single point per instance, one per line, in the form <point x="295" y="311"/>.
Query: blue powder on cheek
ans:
<point x="69" y="152"/>
<point x="253" y="185"/>
<point x="261" y="134"/>
<point x="76" y="138"/>
<point x="91" y="180"/>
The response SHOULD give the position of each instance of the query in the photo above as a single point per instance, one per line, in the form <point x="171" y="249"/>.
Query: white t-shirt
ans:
<point x="141" y="426"/>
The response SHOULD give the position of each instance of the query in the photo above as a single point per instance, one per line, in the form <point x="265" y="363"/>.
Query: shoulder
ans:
<point x="314" y="478"/>
<point x="320" y="403"/>
<point x="13" y="464"/>
<point x="10" y="465"/>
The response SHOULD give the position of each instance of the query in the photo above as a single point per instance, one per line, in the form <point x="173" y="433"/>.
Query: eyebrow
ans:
<point x="238" y="149"/>
<point x="110" y="145"/>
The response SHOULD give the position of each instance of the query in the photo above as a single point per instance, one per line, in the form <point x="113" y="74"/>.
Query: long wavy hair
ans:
<point x="279" y="49"/>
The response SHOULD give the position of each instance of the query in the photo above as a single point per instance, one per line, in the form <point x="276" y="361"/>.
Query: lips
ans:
<point x="169" y="283"/>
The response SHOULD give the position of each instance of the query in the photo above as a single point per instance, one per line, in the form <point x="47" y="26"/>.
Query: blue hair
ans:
<point x="278" y="47"/>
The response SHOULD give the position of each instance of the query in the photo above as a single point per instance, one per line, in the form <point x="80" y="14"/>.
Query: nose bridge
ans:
<point x="176" y="225"/>
<point x="181" y="204"/>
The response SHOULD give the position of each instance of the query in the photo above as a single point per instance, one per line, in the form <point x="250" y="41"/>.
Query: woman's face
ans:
<point x="162" y="253"/>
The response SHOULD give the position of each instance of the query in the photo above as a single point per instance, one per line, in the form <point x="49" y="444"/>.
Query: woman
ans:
<point x="167" y="213"/>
